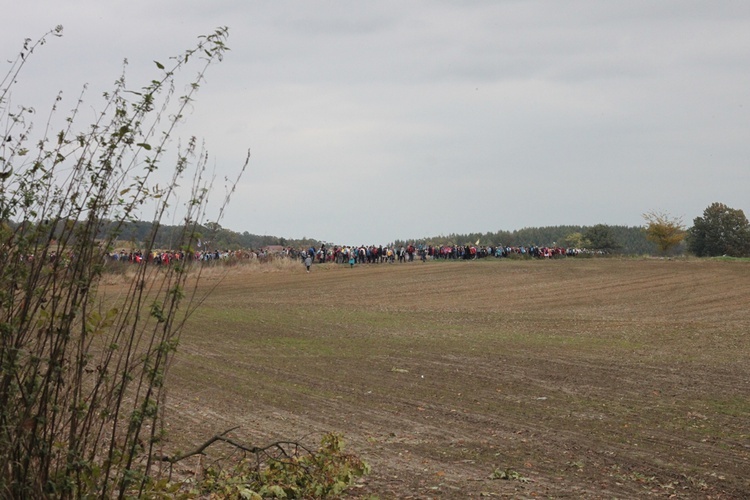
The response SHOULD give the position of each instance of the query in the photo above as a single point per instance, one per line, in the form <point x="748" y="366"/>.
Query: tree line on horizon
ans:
<point x="630" y="240"/>
<point x="721" y="230"/>
<point x="624" y="239"/>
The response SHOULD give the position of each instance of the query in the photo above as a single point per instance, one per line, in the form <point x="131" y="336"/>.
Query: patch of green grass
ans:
<point x="731" y="406"/>
<point x="725" y="258"/>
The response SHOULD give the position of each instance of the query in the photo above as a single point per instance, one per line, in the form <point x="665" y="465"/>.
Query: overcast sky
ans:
<point x="375" y="121"/>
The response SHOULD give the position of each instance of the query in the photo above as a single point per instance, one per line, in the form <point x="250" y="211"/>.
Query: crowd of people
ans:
<point x="167" y="257"/>
<point x="362" y="254"/>
<point x="372" y="254"/>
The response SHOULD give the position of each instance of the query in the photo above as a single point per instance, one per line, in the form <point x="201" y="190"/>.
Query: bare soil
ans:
<point x="591" y="378"/>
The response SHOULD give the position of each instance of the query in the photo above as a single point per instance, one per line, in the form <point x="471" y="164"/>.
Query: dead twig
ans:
<point x="222" y="437"/>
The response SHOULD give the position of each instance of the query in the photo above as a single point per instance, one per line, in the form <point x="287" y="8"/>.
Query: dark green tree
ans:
<point x="601" y="237"/>
<point x="721" y="231"/>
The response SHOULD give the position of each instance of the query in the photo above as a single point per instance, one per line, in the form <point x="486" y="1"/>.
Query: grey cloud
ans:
<point x="562" y="112"/>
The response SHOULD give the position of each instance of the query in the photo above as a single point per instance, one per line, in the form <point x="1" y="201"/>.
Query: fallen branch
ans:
<point x="278" y="445"/>
<point x="280" y="468"/>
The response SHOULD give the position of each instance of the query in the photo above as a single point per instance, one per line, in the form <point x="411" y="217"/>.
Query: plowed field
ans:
<point x="586" y="378"/>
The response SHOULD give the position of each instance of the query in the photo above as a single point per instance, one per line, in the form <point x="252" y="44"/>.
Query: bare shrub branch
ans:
<point x="82" y="374"/>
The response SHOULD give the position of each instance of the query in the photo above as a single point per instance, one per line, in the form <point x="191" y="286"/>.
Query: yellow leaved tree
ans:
<point x="664" y="230"/>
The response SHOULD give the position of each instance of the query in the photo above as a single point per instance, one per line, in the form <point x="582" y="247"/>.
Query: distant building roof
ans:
<point x="274" y="248"/>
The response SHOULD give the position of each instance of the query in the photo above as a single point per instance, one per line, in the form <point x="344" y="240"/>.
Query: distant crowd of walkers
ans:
<point x="167" y="257"/>
<point x="408" y="253"/>
<point x="363" y="254"/>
